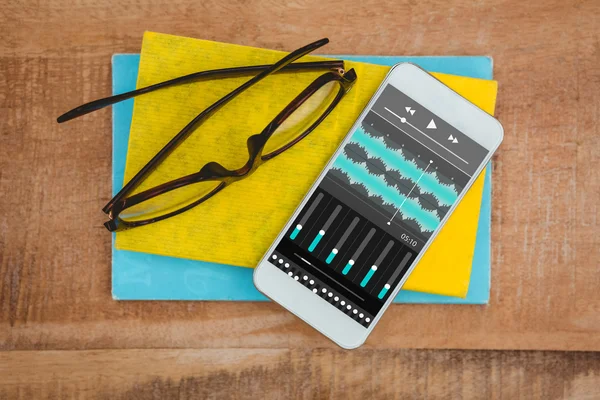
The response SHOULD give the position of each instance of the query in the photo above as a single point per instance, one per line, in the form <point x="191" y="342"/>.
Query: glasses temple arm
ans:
<point x="197" y="76"/>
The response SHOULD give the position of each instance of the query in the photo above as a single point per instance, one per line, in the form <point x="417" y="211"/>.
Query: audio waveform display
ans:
<point x="406" y="186"/>
<point x="404" y="162"/>
<point x="396" y="181"/>
<point x="379" y="192"/>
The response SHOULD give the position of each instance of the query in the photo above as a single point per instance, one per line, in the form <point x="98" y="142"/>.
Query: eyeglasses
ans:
<point x="299" y="118"/>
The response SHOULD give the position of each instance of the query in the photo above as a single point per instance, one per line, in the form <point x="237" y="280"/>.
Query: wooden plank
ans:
<point x="298" y="373"/>
<point x="55" y="254"/>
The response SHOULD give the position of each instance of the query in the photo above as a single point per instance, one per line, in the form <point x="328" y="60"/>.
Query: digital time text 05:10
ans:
<point x="410" y="241"/>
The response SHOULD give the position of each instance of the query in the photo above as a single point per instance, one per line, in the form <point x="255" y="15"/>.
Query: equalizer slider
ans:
<point x="358" y="251"/>
<point x="394" y="276"/>
<point x="311" y="209"/>
<point x="342" y="240"/>
<point x="324" y="229"/>
<point x="378" y="262"/>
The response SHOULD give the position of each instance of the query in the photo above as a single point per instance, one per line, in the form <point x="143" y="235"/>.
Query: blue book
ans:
<point x="141" y="276"/>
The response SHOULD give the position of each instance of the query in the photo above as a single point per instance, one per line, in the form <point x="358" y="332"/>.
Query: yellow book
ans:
<point x="237" y="226"/>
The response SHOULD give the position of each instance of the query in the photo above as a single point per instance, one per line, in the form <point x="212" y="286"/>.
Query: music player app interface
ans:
<point x="378" y="205"/>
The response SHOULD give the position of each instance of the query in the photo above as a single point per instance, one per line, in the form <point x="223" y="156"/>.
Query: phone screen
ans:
<point x="378" y="205"/>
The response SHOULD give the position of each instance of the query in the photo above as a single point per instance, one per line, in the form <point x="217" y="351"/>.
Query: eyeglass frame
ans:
<point x="213" y="171"/>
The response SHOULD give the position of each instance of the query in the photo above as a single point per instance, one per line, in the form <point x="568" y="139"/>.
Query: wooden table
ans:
<point x="61" y="334"/>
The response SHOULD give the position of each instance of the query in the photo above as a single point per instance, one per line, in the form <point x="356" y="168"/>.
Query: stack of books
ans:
<point x="208" y="252"/>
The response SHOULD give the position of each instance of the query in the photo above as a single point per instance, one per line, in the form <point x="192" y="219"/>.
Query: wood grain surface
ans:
<point x="298" y="374"/>
<point x="55" y="254"/>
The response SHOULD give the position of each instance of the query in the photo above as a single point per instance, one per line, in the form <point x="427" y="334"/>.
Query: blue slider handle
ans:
<point x="316" y="240"/>
<point x="385" y="289"/>
<point x="368" y="276"/>
<point x="296" y="231"/>
<point x="348" y="267"/>
<point x="331" y="256"/>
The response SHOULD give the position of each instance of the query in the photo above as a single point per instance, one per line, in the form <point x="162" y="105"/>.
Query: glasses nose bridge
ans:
<point x="248" y="169"/>
<point x="254" y="162"/>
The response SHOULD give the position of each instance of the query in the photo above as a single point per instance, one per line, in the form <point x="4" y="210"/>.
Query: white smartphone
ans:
<point x="379" y="203"/>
